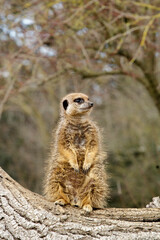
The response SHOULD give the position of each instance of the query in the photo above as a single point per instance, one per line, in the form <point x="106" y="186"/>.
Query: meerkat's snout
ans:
<point x="87" y="105"/>
<point x="91" y="104"/>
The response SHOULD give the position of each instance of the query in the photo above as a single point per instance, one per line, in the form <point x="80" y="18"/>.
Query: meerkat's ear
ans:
<point x="65" y="104"/>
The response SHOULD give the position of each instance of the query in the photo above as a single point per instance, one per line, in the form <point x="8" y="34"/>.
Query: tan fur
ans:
<point x="75" y="174"/>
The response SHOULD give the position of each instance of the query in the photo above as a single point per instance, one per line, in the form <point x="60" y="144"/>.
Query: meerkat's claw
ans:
<point x="75" y="167"/>
<point x="87" y="208"/>
<point x="60" y="202"/>
<point x="85" y="171"/>
<point x="86" y="167"/>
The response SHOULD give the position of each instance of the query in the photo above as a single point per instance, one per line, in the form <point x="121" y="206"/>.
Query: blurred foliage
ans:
<point x="106" y="49"/>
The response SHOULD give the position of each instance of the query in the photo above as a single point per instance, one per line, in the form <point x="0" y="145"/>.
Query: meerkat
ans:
<point x="75" y="173"/>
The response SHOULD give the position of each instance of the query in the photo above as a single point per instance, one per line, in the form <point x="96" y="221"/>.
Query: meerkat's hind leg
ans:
<point x="60" y="202"/>
<point x="86" y="203"/>
<point x="62" y="198"/>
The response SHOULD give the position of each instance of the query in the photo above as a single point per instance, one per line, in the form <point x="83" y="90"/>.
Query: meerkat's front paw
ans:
<point x="75" y="166"/>
<point x="86" y="166"/>
<point x="87" y="208"/>
<point x="60" y="202"/>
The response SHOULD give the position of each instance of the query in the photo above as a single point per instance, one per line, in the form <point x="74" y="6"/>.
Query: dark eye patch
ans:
<point x="65" y="104"/>
<point x="79" y="100"/>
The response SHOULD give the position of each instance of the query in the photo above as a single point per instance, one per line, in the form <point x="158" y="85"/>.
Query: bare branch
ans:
<point x="35" y="83"/>
<point x="6" y="96"/>
<point x="86" y="73"/>
<point x="79" y="10"/>
<point x="117" y="37"/>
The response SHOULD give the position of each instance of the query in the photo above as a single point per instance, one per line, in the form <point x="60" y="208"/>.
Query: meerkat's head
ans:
<point x="76" y="105"/>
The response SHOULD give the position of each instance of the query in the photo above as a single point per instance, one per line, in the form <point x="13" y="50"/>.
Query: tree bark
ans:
<point x="27" y="215"/>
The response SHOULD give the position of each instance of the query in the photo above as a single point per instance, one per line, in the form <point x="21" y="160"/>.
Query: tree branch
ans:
<point x="86" y="73"/>
<point x="54" y="77"/>
<point x="27" y="215"/>
<point x="6" y="96"/>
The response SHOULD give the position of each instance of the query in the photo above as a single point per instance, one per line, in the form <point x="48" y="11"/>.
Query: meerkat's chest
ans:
<point x="79" y="140"/>
<point x="79" y="136"/>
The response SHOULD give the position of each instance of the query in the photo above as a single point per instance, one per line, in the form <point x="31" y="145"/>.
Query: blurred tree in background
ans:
<point x="109" y="50"/>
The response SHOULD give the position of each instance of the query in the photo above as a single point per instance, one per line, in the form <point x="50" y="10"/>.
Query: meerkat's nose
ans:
<point x="91" y="104"/>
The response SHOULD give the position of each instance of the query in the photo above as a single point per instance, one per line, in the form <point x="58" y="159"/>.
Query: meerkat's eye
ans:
<point x="79" y="100"/>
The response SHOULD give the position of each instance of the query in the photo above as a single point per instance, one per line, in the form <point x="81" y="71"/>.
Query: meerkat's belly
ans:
<point x="75" y="179"/>
<point x="71" y="181"/>
<point x="67" y="176"/>
<point x="73" y="184"/>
